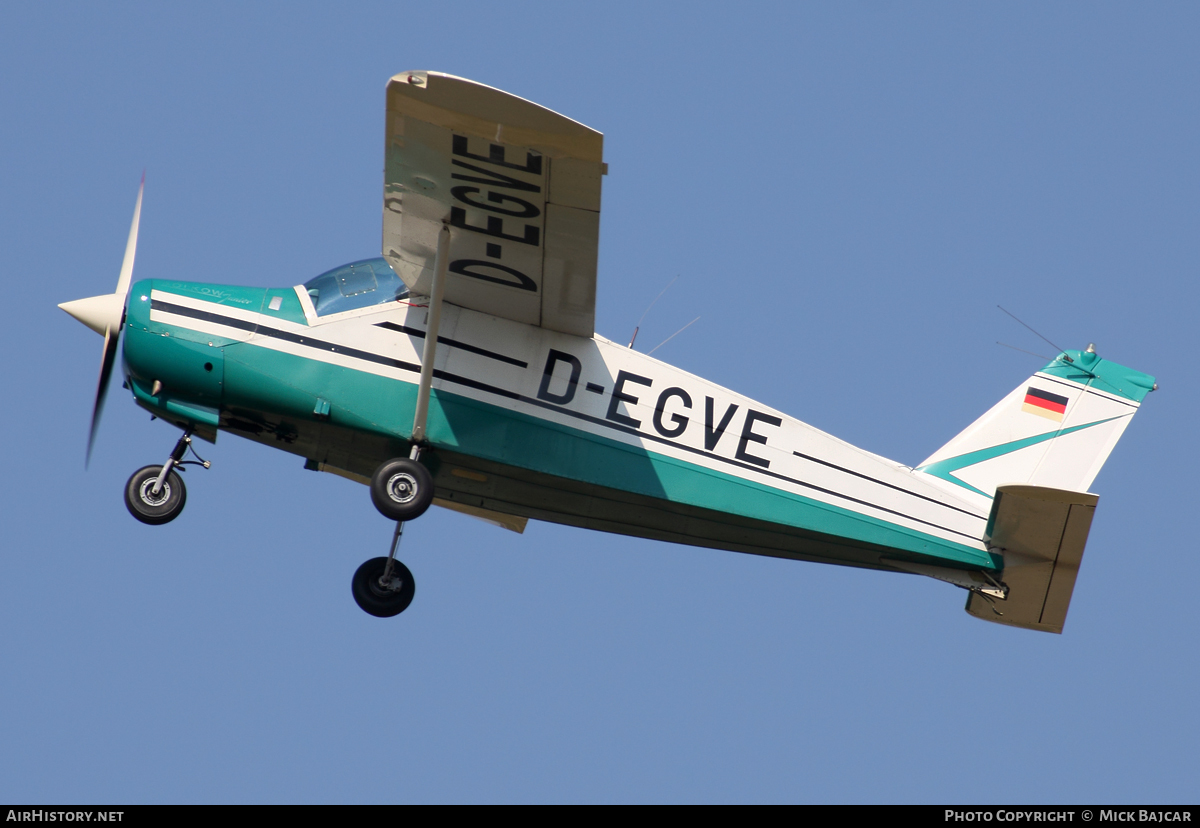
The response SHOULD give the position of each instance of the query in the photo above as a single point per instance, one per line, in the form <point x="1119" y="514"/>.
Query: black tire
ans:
<point x="402" y="489"/>
<point x="374" y="599"/>
<point x="143" y="505"/>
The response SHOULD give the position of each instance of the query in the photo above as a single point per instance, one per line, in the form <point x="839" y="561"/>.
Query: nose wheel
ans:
<point x="155" y="507"/>
<point x="156" y="494"/>
<point x="384" y="587"/>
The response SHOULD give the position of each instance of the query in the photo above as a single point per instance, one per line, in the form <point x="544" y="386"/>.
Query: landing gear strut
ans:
<point x="384" y="587"/>
<point x="402" y="488"/>
<point x="156" y="494"/>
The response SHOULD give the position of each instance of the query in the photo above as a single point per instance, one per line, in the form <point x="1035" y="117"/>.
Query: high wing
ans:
<point x="519" y="187"/>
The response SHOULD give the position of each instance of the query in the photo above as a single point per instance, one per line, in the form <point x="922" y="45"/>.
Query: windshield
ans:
<point x="356" y="285"/>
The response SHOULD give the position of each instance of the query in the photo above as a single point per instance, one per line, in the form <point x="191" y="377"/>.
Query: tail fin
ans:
<point x="1055" y="430"/>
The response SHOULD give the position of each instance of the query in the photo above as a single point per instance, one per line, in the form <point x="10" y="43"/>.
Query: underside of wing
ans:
<point x="519" y="187"/>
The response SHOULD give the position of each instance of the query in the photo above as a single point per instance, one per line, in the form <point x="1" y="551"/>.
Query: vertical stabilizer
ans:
<point x="1056" y="429"/>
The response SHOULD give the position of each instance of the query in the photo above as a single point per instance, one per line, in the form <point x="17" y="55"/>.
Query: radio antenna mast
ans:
<point x="1047" y="341"/>
<point x="672" y="336"/>
<point x="1022" y="350"/>
<point x="638" y="326"/>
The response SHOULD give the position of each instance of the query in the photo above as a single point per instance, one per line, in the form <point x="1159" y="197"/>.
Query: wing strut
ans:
<point x="431" y="335"/>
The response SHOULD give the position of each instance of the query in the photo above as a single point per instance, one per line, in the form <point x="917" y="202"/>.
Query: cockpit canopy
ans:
<point x="356" y="285"/>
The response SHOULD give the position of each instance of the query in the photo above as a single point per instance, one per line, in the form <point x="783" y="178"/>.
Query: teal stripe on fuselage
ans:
<point x="264" y="379"/>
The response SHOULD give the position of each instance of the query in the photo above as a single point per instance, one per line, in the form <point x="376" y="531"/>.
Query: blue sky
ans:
<point x="846" y="192"/>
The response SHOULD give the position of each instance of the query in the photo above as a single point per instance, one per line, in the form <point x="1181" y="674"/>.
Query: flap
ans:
<point x="512" y="523"/>
<point x="519" y="186"/>
<point x="1041" y="533"/>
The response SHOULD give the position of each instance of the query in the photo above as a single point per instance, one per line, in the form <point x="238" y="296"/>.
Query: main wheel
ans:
<point x="380" y="600"/>
<point x="148" y="507"/>
<point x="402" y="489"/>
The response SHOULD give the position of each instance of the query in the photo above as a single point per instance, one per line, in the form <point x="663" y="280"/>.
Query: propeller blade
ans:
<point x="111" y="338"/>
<point x="131" y="245"/>
<point x="106" y="314"/>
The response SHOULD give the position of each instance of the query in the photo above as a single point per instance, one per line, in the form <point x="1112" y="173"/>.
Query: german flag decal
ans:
<point x="1044" y="404"/>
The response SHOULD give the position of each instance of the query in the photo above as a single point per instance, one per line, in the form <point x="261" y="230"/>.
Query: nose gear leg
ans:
<point x="176" y="459"/>
<point x="181" y="447"/>
<point x="156" y="495"/>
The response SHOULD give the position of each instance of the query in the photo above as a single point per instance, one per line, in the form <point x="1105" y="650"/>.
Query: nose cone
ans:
<point x="100" y="313"/>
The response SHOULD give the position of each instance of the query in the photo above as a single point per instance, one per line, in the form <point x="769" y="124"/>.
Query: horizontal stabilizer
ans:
<point x="1041" y="533"/>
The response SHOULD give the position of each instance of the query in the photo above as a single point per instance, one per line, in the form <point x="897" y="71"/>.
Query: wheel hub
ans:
<point x="383" y="590"/>
<point x="402" y="487"/>
<point x="146" y="492"/>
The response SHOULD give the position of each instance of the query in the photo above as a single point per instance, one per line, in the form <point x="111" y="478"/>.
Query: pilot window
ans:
<point x="356" y="285"/>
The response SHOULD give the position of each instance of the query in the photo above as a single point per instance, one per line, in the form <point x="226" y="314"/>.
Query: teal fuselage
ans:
<point x="530" y="423"/>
